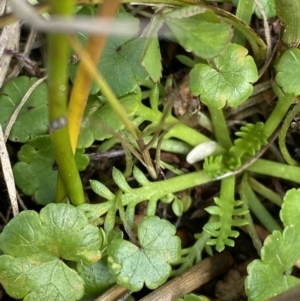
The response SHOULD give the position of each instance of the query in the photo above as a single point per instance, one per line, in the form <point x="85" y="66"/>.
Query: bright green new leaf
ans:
<point x="226" y="80"/>
<point x="152" y="60"/>
<point x="201" y="38"/>
<point x="120" y="62"/>
<point x="35" y="246"/>
<point x="120" y="180"/>
<point x="271" y="275"/>
<point x="100" y="121"/>
<point x="151" y="57"/>
<point x="35" y="173"/>
<point x="97" y="279"/>
<point x="150" y="262"/>
<point x="177" y="207"/>
<point x="290" y="212"/>
<point x="32" y="119"/>
<point x="288" y="71"/>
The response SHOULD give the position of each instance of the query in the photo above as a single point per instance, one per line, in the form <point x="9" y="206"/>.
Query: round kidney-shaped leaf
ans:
<point x="32" y="119"/>
<point x="150" y="262"/>
<point x="226" y="80"/>
<point x="35" y="173"/>
<point x="35" y="246"/>
<point x="271" y="275"/>
<point x="288" y="71"/>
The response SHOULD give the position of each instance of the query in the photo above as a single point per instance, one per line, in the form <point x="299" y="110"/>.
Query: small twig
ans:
<point x="113" y="294"/>
<point x="158" y="152"/>
<point x="9" y="38"/>
<point x="8" y="175"/>
<point x="109" y="154"/>
<point x="24" y="59"/>
<point x="19" y="107"/>
<point x="16" y="70"/>
<point x="5" y="221"/>
<point x="21" y="202"/>
<point x="266" y="28"/>
<point x="292" y="294"/>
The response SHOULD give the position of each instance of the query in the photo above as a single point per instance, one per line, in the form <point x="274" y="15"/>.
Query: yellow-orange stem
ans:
<point x="84" y="79"/>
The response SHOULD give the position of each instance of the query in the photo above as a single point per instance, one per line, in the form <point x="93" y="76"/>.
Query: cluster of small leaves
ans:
<point x="252" y="138"/>
<point x="215" y="166"/>
<point x="229" y="216"/>
<point x="35" y="246"/>
<point x="226" y="78"/>
<point x="149" y="262"/>
<point x="271" y="275"/>
<point x="130" y="198"/>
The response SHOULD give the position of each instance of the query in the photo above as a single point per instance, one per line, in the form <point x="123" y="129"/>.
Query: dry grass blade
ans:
<point x="8" y="175"/>
<point x="196" y="276"/>
<point x="9" y="39"/>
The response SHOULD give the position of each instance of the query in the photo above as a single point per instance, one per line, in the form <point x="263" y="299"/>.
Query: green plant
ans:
<point x="272" y="274"/>
<point x="223" y="74"/>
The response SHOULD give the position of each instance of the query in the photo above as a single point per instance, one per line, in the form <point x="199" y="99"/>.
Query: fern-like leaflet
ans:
<point x="221" y="231"/>
<point x="251" y="138"/>
<point x="215" y="166"/>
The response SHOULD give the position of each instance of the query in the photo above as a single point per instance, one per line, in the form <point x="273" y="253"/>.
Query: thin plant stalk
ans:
<point x="58" y="60"/>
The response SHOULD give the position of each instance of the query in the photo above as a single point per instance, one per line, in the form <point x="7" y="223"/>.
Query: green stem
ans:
<point x="260" y="211"/>
<point x="156" y="190"/>
<point x="283" y="104"/>
<point x="220" y="127"/>
<point x="265" y="191"/>
<point x="58" y="60"/>
<point x="251" y="228"/>
<point x="277" y="170"/>
<point x="283" y="133"/>
<point x="178" y="130"/>
<point x="244" y="12"/>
